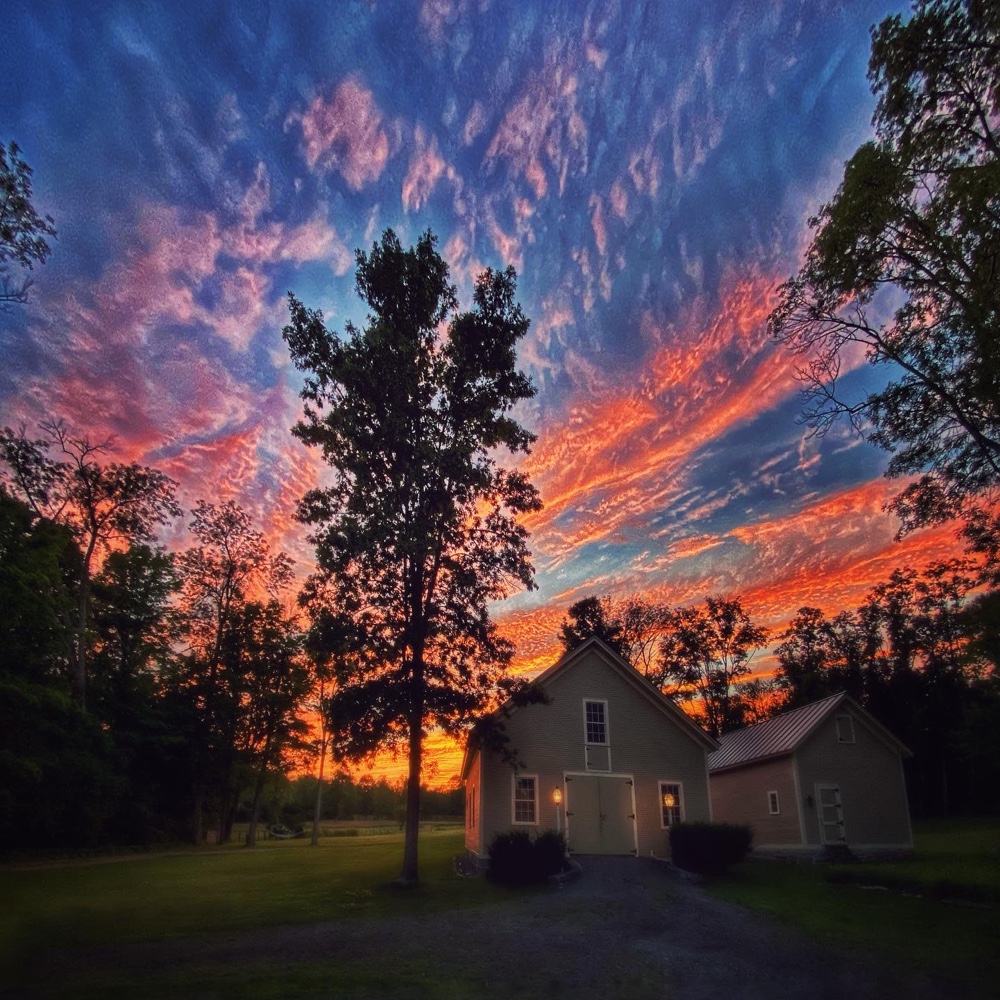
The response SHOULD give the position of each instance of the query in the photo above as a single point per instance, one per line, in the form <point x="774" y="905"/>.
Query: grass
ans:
<point x="935" y="912"/>
<point x="148" y="899"/>
<point x="112" y="902"/>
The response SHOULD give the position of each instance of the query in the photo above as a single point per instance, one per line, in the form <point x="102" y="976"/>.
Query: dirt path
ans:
<point x="625" y="928"/>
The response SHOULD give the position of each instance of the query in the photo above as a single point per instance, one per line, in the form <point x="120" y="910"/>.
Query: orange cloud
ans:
<point x="618" y="455"/>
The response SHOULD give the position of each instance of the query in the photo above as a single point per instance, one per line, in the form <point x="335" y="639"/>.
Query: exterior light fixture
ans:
<point x="557" y="796"/>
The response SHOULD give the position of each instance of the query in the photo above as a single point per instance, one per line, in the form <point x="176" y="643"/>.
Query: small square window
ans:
<point x="670" y="804"/>
<point x="845" y="729"/>
<point x="525" y="799"/>
<point x="773" y="806"/>
<point x="596" y="721"/>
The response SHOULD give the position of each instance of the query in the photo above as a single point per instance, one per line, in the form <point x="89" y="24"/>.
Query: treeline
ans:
<point x="145" y="695"/>
<point x="921" y="654"/>
<point x="347" y="798"/>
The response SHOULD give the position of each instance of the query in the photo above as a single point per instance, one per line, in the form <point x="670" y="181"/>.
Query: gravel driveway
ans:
<point x="625" y="928"/>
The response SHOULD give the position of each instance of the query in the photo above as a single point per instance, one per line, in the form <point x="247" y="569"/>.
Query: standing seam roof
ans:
<point x="772" y="738"/>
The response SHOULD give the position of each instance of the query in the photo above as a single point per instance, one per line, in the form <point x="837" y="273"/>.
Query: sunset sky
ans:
<point x="647" y="167"/>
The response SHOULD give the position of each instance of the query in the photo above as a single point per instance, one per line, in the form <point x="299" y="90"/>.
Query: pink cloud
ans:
<point x="543" y="135"/>
<point x="345" y="133"/>
<point x="426" y="168"/>
<point x="437" y="17"/>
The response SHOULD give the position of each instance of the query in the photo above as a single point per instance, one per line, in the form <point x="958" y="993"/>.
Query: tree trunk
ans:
<point x="408" y="876"/>
<point x="255" y="812"/>
<point x="317" y="810"/>
<point x="80" y="660"/>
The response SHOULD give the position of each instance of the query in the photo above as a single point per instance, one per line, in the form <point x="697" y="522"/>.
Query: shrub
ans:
<point x="709" y="848"/>
<point x="550" y="852"/>
<point x="516" y="859"/>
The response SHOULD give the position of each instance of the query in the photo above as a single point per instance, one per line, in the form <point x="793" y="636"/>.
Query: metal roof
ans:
<point x="773" y="738"/>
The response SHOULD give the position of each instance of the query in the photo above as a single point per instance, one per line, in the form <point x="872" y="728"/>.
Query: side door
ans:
<point x="831" y="815"/>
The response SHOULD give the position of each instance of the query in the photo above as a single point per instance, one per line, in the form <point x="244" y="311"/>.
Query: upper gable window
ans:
<point x="595" y="717"/>
<point x="845" y="729"/>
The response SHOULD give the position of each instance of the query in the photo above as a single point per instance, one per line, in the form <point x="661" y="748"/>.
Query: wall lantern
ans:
<point x="557" y="796"/>
<point x="669" y="800"/>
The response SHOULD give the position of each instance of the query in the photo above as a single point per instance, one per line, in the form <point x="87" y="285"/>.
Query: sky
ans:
<point x="649" y="168"/>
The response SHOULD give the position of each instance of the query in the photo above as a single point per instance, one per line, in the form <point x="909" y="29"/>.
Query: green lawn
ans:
<point x="224" y="889"/>
<point x="895" y="911"/>
<point x="214" y="890"/>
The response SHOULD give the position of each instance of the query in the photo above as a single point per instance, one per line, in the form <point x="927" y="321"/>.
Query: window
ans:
<point x="845" y="729"/>
<point x="525" y="798"/>
<point x="670" y="803"/>
<point x="595" y="715"/>
<point x="772" y="803"/>
<point x="472" y="806"/>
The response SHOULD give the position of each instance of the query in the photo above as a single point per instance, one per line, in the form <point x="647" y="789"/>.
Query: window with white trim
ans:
<point x="845" y="729"/>
<point x="525" y="798"/>
<point x="773" y="806"/>
<point x="595" y="720"/>
<point x="670" y="803"/>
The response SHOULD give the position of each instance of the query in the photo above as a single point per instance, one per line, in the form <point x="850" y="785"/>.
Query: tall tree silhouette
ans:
<point x="418" y="531"/>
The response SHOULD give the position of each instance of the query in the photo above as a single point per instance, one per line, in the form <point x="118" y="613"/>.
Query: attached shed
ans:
<point x="608" y="760"/>
<point x="816" y="779"/>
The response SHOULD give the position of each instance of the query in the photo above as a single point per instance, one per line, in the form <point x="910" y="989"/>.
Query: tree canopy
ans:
<point x="418" y="531"/>
<point x="23" y="232"/>
<point x="904" y="267"/>
<point x="100" y="504"/>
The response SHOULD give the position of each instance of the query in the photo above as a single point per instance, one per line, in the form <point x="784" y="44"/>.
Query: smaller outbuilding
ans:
<point x="822" y="779"/>
<point x="608" y="760"/>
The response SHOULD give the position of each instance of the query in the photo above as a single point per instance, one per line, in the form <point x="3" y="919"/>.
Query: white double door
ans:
<point x="600" y="814"/>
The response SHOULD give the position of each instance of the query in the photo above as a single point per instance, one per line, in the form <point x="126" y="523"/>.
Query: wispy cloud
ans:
<point x="344" y="133"/>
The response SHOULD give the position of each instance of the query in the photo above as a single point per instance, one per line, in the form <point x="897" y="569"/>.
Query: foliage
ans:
<point x="695" y="655"/>
<point x="590" y="618"/>
<point x="241" y="680"/>
<point x="709" y="848"/>
<point x="705" y="652"/>
<point x="915" y="227"/>
<point x="418" y="531"/>
<point x="517" y="858"/>
<point x="39" y="568"/>
<point x="923" y="661"/>
<point x="23" y="232"/>
<point x="100" y="504"/>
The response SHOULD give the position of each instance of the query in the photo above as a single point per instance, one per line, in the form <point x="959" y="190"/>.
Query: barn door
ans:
<point x="831" y="814"/>
<point x="600" y="814"/>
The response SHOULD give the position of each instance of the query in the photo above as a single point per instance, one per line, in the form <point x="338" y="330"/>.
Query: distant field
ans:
<point x="936" y="912"/>
<point x="351" y="828"/>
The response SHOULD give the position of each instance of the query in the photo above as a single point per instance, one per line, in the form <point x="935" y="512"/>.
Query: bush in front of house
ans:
<point x="709" y="848"/>
<point x="517" y="859"/>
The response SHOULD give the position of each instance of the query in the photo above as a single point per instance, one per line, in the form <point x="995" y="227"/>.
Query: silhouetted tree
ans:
<point x="23" y="232"/>
<point x="705" y="652"/>
<point x="230" y="565"/>
<point x="100" y="504"/>
<point x="915" y="226"/>
<point x="591" y="617"/>
<point x="418" y="531"/>
<point x="917" y="656"/>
